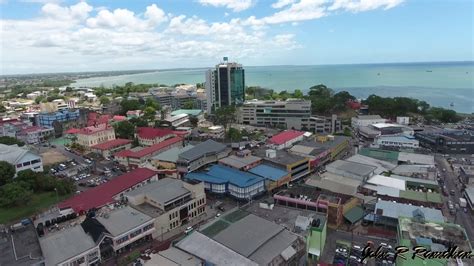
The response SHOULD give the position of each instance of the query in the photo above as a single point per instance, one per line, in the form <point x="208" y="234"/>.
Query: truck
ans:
<point x="462" y="202"/>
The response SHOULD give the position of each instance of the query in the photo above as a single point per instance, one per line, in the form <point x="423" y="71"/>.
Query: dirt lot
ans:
<point x="52" y="156"/>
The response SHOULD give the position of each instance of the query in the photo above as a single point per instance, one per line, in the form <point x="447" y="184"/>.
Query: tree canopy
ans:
<point x="7" y="172"/>
<point x="7" y="140"/>
<point x="124" y="129"/>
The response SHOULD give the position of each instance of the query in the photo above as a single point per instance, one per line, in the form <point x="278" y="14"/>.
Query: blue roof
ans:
<point x="219" y="174"/>
<point x="269" y="172"/>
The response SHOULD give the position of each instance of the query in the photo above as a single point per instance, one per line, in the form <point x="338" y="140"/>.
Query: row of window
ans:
<point x="28" y="163"/>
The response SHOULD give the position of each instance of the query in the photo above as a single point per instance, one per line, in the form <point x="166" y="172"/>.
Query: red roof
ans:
<point x="152" y="133"/>
<point x="149" y="150"/>
<point x="119" y="118"/>
<point x="285" y="136"/>
<point x="104" y="194"/>
<point x="111" y="144"/>
<point x="72" y="131"/>
<point x="94" y="129"/>
<point x="97" y="119"/>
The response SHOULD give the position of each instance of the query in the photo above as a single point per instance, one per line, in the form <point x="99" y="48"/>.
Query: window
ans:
<point x="134" y="234"/>
<point x="121" y="240"/>
<point x="147" y="227"/>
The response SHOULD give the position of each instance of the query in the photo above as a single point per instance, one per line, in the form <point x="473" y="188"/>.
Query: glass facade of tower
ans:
<point x="237" y="85"/>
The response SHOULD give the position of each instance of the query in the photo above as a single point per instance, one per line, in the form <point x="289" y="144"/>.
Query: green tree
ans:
<point x="2" y="108"/>
<point x="40" y="99"/>
<point x="194" y="121"/>
<point x="224" y="116"/>
<point x="127" y="105"/>
<point x="150" y="102"/>
<point x="188" y="105"/>
<point x="139" y="122"/>
<point x="11" y="141"/>
<point x="298" y="94"/>
<point x="320" y="91"/>
<point x="7" y="172"/>
<point x="124" y="129"/>
<point x="64" y="186"/>
<point x="104" y="100"/>
<point x="14" y="194"/>
<point x="149" y="113"/>
<point x="234" y="134"/>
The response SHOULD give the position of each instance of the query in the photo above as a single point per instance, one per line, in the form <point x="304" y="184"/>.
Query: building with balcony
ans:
<point x="202" y="154"/>
<point x="48" y="119"/>
<point x="289" y="114"/>
<point x="21" y="158"/>
<point x="148" y="136"/>
<point x="447" y="141"/>
<point x="93" y="135"/>
<point x="400" y="141"/>
<point x="171" y="202"/>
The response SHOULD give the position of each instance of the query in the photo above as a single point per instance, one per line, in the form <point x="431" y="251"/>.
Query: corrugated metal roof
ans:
<point x="220" y="174"/>
<point x="206" y="147"/>
<point x="387" y="181"/>
<point x="395" y="210"/>
<point x="269" y="172"/>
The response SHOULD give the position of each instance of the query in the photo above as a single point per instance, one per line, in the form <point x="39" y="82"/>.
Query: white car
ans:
<point x="188" y="230"/>
<point x="218" y="215"/>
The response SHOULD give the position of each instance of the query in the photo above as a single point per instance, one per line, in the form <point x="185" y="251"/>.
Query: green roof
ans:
<point x="193" y="112"/>
<point x="421" y="196"/>
<point x="355" y="214"/>
<point x="391" y="156"/>
<point x="413" y="195"/>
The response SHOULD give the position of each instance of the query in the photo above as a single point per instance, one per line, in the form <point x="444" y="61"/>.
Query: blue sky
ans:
<point x="63" y="36"/>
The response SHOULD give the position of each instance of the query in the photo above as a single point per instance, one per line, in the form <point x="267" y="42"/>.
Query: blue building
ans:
<point x="47" y="119"/>
<point x="221" y="179"/>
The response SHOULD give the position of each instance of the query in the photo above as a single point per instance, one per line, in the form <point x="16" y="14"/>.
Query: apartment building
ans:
<point x="93" y="135"/>
<point x="292" y="113"/>
<point x="148" y="136"/>
<point x="171" y="202"/>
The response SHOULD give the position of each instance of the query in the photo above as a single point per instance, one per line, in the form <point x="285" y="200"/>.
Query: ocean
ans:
<point x="446" y="84"/>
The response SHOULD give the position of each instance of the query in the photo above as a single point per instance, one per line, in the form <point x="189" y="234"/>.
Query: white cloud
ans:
<point x="286" y="41"/>
<point x="79" y="11"/>
<point x="155" y="14"/>
<point x="282" y="3"/>
<point x="189" y="26"/>
<point x="363" y="5"/>
<point x="41" y="1"/>
<point x="235" y="5"/>
<point x="302" y="10"/>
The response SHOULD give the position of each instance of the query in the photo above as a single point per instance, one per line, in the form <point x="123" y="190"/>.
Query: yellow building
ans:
<point x="93" y="135"/>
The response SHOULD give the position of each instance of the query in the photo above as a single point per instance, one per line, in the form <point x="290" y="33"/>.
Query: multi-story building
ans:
<point x="401" y="141"/>
<point x="148" y="136"/>
<point x="171" y="202"/>
<point x="297" y="166"/>
<point x="292" y="113"/>
<point x="202" y="154"/>
<point x="93" y="135"/>
<point x="20" y="158"/>
<point x="324" y="124"/>
<point x="48" y="119"/>
<point x="366" y="120"/>
<point x="225" y="85"/>
<point x="25" y="132"/>
<point x="448" y="141"/>
<point x="138" y="156"/>
<point x="108" y="148"/>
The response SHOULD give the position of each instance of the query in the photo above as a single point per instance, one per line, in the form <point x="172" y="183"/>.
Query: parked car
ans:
<point x="452" y="192"/>
<point x="188" y="230"/>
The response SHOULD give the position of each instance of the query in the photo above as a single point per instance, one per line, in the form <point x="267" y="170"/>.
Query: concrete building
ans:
<point x="401" y="141"/>
<point x="25" y="132"/>
<point x="324" y="124"/>
<point x="366" y="120"/>
<point x="70" y="246"/>
<point x="241" y="162"/>
<point x="467" y="174"/>
<point x="138" y="156"/>
<point x="316" y="239"/>
<point x="225" y="85"/>
<point x="296" y="165"/>
<point x="387" y="213"/>
<point x="20" y="158"/>
<point x="250" y="240"/>
<point x="352" y="170"/>
<point x="221" y="179"/>
<point x="275" y="177"/>
<point x="171" y="202"/>
<point x="336" y="145"/>
<point x="448" y="141"/>
<point x="93" y="135"/>
<point x="168" y="159"/>
<point x="108" y="148"/>
<point x="289" y="114"/>
<point x="371" y="132"/>
<point x="202" y="154"/>
<point x="180" y="120"/>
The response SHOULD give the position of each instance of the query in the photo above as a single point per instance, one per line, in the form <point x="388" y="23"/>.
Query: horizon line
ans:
<point x="277" y="65"/>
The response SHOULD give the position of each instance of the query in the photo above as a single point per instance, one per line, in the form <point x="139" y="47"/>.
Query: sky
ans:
<point x="44" y="36"/>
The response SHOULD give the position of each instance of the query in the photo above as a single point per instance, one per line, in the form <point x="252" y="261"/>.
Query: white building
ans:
<point x="366" y="120"/>
<point x="20" y="158"/>
<point x="402" y="141"/>
<point x="292" y="113"/>
<point x="403" y="120"/>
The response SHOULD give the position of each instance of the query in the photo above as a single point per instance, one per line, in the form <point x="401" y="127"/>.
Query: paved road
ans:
<point x="464" y="219"/>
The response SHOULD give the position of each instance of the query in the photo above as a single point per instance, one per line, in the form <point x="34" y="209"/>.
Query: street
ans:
<point x="464" y="219"/>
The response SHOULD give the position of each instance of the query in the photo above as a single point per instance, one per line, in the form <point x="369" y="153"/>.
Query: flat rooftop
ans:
<point x="122" y="220"/>
<point x="352" y="168"/>
<point x="439" y="234"/>
<point x="282" y="157"/>
<point x="381" y="165"/>
<point x="239" y="162"/>
<point x="65" y="244"/>
<point x="162" y="191"/>
<point x="335" y="183"/>
<point x="336" y="140"/>
<point x="26" y="244"/>
<point x="396" y="210"/>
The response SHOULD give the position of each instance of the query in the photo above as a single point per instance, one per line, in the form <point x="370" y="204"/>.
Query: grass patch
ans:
<point x="38" y="202"/>
<point x="130" y="258"/>
<point x="235" y="216"/>
<point x="215" y="228"/>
